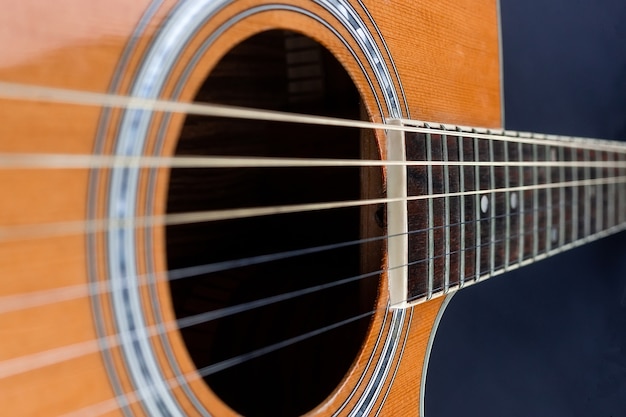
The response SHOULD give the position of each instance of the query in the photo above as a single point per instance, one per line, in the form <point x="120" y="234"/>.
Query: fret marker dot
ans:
<point x="484" y="204"/>
<point x="513" y="201"/>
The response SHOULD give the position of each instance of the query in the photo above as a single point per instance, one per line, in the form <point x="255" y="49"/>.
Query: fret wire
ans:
<point x="477" y="225"/>
<point x="147" y="279"/>
<point x="492" y="211"/>
<point x="572" y="245"/>
<point x="516" y="136"/>
<point x="9" y="90"/>
<point x="30" y="300"/>
<point x="619" y="214"/>
<point x="526" y="261"/>
<point x="156" y="329"/>
<point x="208" y="370"/>
<point x="507" y="210"/>
<point x="181" y="379"/>
<point x="540" y="210"/>
<point x="587" y="202"/>
<point x="607" y="191"/>
<point x="604" y="194"/>
<point x="431" y="236"/>
<point x="575" y="197"/>
<point x="522" y="220"/>
<point x="599" y="173"/>
<point x="555" y="251"/>
<point x="622" y="190"/>
<point x="446" y="186"/>
<point x="611" y="221"/>
<point x="582" y="193"/>
<point x="462" y="211"/>
<point x="623" y="171"/>
<point x="548" y="189"/>
<point x="484" y="245"/>
<point x="562" y="202"/>
<point x="442" y="255"/>
<point x="32" y="231"/>
<point x="535" y="192"/>
<point x="172" y="275"/>
<point x="618" y="191"/>
<point x="548" y="171"/>
<point x="598" y="195"/>
<point x="608" y="216"/>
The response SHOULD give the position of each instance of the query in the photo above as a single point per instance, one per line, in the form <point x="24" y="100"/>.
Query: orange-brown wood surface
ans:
<point x="446" y="55"/>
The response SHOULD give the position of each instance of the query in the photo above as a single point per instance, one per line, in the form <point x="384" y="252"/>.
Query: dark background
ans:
<point x="549" y="339"/>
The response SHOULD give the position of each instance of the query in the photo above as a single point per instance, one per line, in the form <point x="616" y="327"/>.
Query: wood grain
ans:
<point x="446" y="56"/>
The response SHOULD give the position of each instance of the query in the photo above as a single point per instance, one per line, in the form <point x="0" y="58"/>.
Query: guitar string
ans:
<point x="483" y="190"/>
<point x="475" y="278"/>
<point x="125" y="399"/>
<point x="18" y="91"/>
<point x="41" y="298"/>
<point x="114" y="403"/>
<point x="186" y="378"/>
<point x="74" y="227"/>
<point x="38" y="360"/>
<point x="86" y="161"/>
<point x="491" y="163"/>
<point x="11" y="303"/>
<point x="36" y="93"/>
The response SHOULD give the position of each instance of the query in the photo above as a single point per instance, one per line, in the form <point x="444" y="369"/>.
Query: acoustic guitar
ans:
<point x="219" y="207"/>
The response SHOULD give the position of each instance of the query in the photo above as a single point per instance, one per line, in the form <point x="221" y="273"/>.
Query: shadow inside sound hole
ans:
<point x="294" y="379"/>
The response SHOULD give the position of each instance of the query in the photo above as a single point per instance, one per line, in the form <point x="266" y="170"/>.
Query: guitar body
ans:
<point x="73" y="355"/>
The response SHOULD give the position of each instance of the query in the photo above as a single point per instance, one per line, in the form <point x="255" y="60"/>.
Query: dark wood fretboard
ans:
<point x="482" y="202"/>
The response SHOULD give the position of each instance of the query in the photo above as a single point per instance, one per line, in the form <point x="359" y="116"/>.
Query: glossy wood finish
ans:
<point x="446" y="57"/>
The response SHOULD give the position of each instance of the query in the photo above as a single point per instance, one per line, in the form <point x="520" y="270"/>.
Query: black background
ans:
<point x="548" y="339"/>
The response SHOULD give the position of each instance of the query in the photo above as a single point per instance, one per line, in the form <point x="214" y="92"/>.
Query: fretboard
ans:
<point x="473" y="203"/>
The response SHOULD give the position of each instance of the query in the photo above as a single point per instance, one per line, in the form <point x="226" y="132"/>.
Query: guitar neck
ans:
<point x="481" y="202"/>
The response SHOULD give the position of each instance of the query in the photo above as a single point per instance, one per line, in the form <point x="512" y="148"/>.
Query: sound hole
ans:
<point x="280" y="71"/>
